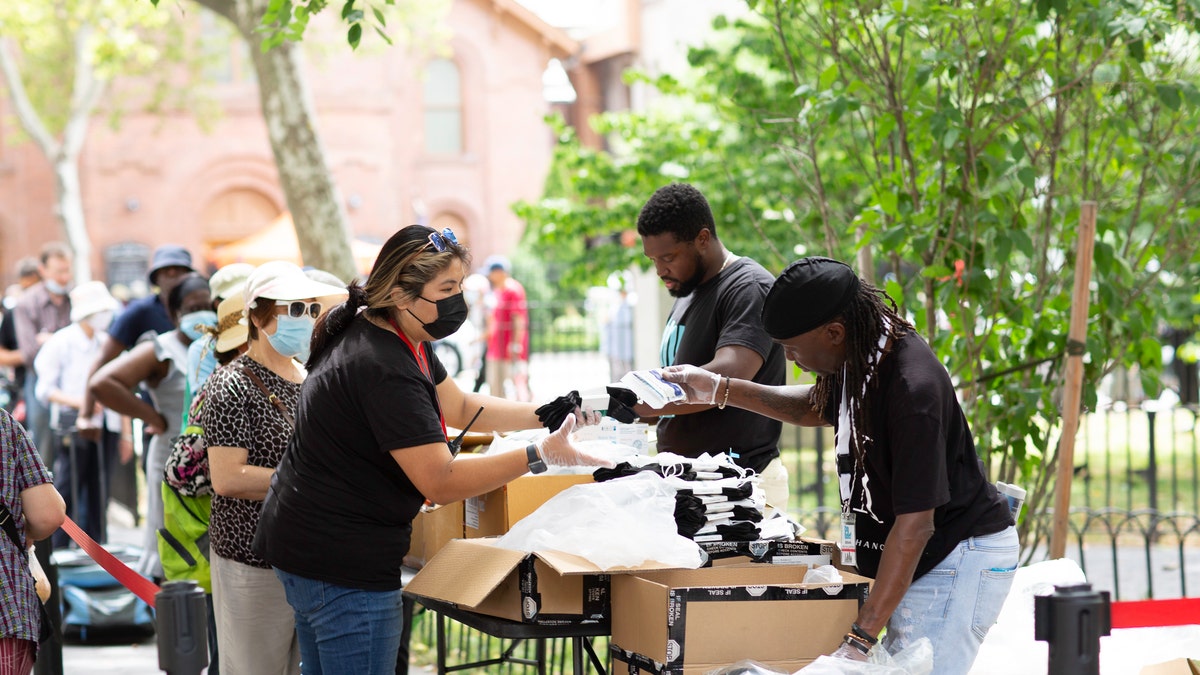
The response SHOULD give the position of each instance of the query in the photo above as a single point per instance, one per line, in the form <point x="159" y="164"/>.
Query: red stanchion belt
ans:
<point x="1148" y="613"/>
<point x="141" y="586"/>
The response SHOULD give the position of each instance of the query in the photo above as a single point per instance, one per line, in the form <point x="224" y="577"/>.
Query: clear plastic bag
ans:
<point x="744" y="667"/>
<point x="916" y="659"/>
<point x="617" y="523"/>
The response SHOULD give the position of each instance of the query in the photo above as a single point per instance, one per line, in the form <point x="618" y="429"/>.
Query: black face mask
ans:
<point x="452" y="313"/>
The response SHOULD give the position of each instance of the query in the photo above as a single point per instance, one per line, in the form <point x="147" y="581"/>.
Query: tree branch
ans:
<point x="27" y="115"/>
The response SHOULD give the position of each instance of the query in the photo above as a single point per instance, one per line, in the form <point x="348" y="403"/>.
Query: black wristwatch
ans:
<point x="536" y="463"/>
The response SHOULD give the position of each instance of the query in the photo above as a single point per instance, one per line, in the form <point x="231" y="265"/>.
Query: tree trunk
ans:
<point x="63" y="154"/>
<point x="69" y="207"/>
<point x="312" y="196"/>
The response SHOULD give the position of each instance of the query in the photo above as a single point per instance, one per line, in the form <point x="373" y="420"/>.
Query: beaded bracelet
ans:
<point x="726" y="398"/>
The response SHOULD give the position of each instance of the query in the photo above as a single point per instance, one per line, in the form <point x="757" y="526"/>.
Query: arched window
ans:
<point x="443" y="108"/>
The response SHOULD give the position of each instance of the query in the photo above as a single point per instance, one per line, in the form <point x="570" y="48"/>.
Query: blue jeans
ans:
<point x="957" y="602"/>
<point x="344" y="630"/>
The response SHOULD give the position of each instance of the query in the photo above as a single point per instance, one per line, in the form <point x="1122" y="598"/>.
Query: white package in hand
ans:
<point x="617" y="523"/>
<point x="652" y="389"/>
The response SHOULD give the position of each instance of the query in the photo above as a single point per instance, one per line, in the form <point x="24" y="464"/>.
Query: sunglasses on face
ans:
<point x="298" y="308"/>
<point x="443" y="240"/>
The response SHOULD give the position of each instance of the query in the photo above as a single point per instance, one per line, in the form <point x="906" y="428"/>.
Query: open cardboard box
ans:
<point x="431" y="530"/>
<point x="688" y="622"/>
<point x="494" y="513"/>
<point x="545" y="587"/>
<point x="1174" y="667"/>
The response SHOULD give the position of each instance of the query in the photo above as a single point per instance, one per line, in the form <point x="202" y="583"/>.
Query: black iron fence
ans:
<point x="1135" y="515"/>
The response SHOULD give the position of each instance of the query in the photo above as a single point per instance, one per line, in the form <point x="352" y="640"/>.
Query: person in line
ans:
<point x="159" y="365"/>
<point x="62" y="370"/>
<point x="11" y="357"/>
<point x="141" y="319"/>
<point x="186" y="514"/>
<point x="371" y="445"/>
<point x="508" y="332"/>
<point x="248" y="415"/>
<point x="36" y="510"/>
<point x="715" y="323"/>
<point x="921" y="515"/>
<point x="43" y="309"/>
<point x="202" y="357"/>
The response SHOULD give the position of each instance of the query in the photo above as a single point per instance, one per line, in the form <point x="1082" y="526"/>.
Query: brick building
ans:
<point x="452" y="140"/>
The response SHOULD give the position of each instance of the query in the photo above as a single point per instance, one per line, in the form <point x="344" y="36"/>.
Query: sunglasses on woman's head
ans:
<point x="298" y="308"/>
<point x="442" y="241"/>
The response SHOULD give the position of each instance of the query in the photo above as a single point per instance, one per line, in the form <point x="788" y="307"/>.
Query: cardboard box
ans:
<point x="1174" y="667"/>
<point x="546" y="587"/>
<point x="494" y="513"/>
<point x="431" y="530"/>
<point x="688" y="622"/>
<point x="809" y="552"/>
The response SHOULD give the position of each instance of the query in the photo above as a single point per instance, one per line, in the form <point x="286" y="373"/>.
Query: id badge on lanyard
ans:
<point x="849" y="553"/>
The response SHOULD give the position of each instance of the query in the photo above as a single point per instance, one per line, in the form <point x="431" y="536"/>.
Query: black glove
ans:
<point x="552" y="414"/>
<point x="620" y="404"/>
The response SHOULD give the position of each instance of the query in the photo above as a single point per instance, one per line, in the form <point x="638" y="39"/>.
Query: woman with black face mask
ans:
<point x="370" y="446"/>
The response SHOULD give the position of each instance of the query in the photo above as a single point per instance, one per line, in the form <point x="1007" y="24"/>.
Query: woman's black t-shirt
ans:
<point x="341" y="508"/>
<point x="921" y="456"/>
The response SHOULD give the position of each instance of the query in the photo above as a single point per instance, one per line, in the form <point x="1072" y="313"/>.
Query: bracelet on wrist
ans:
<point x="725" y="399"/>
<point x="857" y="643"/>
<point x="862" y="633"/>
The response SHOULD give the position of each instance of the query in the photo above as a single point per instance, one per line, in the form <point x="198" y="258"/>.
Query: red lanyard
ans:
<point x="423" y="366"/>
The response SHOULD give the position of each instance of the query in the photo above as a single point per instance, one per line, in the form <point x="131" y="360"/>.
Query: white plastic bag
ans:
<point x="916" y="659"/>
<point x="617" y="523"/>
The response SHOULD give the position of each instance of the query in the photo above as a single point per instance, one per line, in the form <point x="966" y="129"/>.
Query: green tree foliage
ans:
<point x="946" y="146"/>
<point x="61" y="61"/>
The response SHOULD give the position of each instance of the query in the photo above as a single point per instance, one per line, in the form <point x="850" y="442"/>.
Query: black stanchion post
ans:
<point x="1071" y="620"/>
<point x="182" y="628"/>
<point x="50" y="656"/>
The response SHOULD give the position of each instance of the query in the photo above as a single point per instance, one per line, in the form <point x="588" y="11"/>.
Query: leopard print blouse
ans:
<point x="238" y="415"/>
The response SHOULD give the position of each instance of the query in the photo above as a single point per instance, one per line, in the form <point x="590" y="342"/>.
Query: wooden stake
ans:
<point x="1073" y="384"/>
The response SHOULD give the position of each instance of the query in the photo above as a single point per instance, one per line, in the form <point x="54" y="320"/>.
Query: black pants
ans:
<point x="81" y="471"/>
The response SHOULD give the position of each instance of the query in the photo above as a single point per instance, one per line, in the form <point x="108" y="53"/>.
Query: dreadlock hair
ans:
<point x="407" y="261"/>
<point x="871" y="312"/>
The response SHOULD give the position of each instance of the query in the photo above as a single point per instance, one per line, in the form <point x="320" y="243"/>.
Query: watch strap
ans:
<point x="535" y="461"/>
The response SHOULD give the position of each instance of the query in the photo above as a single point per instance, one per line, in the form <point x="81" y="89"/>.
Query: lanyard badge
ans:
<point x="849" y="553"/>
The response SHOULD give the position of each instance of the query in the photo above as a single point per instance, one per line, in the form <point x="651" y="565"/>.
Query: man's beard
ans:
<point x="686" y="288"/>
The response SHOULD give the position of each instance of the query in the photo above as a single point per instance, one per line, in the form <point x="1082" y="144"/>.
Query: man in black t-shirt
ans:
<point x="918" y="512"/>
<point x="715" y="323"/>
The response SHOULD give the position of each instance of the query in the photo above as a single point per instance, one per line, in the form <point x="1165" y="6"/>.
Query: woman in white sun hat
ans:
<point x="62" y="366"/>
<point x="248" y="417"/>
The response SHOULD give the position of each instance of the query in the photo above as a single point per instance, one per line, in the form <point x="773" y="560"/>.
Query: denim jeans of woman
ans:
<point x="344" y="630"/>
<point x="957" y="602"/>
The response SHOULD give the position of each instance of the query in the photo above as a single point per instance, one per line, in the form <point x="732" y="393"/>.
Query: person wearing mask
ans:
<point x="921" y="516"/>
<point x="248" y="415"/>
<point x="31" y="509"/>
<point x="508" y="331"/>
<point x="202" y="357"/>
<point x="43" y="309"/>
<point x="714" y="323"/>
<point x="188" y="513"/>
<point x="141" y="319"/>
<point x="159" y="365"/>
<point x="62" y="370"/>
<point x="371" y="445"/>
